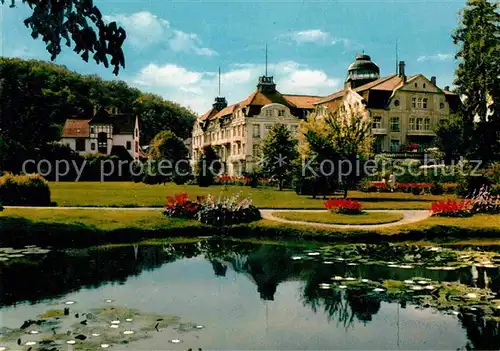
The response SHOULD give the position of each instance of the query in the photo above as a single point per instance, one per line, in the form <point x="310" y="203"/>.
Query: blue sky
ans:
<point x="175" y="48"/>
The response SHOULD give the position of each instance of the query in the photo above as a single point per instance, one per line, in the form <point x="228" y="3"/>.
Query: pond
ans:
<point x="222" y="294"/>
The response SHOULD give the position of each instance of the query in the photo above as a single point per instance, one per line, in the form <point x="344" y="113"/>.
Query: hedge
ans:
<point x="24" y="190"/>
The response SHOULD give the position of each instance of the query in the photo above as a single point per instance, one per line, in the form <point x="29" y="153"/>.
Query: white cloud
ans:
<point x="145" y="29"/>
<point x="197" y="90"/>
<point x="317" y="36"/>
<point x="436" y="57"/>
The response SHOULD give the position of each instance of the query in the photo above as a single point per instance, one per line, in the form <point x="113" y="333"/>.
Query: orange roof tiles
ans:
<point x="76" y="128"/>
<point x="302" y="101"/>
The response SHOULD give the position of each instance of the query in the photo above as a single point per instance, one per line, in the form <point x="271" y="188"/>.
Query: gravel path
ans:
<point x="409" y="216"/>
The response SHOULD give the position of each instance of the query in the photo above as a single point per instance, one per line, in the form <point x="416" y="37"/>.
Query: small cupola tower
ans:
<point x="363" y="70"/>
<point x="266" y="83"/>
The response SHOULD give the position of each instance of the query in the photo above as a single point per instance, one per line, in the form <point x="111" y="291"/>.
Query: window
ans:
<point x="424" y="85"/>
<point x="427" y="124"/>
<point x="394" y="124"/>
<point x="416" y="85"/>
<point x="414" y="102"/>
<point x="441" y="105"/>
<point x="102" y="142"/>
<point x="425" y="103"/>
<point x="92" y="146"/>
<point x="136" y="147"/>
<point x="394" y="145"/>
<point x="243" y="130"/>
<point x="256" y="151"/>
<point x="419" y="103"/>
<point x="269" y="113"/>
<point x="256" y="130"/>
<point x="129" y="145"/>
<point x="80" y="145"/>
<point x="419" y="124"/>
<point x="396" y="102"/>
<point x="412" y="123"/>
<point x="222" y="134"/>
<point x="268" y="128"/>
<point x="239" y="130"/>
<point x="281" y="113"/>
<point x="243" y="148"/>
<point x="377" y="122"/>
<point x="91" y="130"/>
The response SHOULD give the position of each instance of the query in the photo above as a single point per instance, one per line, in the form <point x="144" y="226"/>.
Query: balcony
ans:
<point x="421" y="132"/>
<point x="379" y="131"/>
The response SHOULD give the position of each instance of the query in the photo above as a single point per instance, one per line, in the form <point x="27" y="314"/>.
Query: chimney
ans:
<point x="447" y="88"/>
<point x="402" y="70"/>
<point x="433" y="80"/>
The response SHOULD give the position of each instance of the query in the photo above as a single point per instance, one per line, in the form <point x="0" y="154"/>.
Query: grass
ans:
<point x="82" y="228"/>
<point x="128" y="194"/>
<point x="337" y="218"/>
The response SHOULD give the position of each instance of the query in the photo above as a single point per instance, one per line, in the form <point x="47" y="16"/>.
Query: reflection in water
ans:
<point x="60" y="273"/>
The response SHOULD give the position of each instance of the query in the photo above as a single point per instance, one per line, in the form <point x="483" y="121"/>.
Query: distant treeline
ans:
<point x="37" y="97"/>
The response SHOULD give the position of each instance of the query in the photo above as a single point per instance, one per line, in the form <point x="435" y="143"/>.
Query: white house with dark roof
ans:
<point x="107" y="132"/>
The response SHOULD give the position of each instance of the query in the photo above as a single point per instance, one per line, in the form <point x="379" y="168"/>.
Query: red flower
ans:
<point x="343" y="205"/>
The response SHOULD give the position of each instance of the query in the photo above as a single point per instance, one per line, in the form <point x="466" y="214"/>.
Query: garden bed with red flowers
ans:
<point x="344" y="206"/>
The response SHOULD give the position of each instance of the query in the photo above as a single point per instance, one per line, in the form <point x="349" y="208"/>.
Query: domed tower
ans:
<point x="363" y="70"/>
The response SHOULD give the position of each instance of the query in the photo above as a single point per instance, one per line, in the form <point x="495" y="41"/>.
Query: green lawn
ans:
<point x="337" y="218"/>
<point x="128" y="194"/>
<point x="99" y="219"/>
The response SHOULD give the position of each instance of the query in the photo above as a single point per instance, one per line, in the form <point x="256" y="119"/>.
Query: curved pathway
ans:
<point x="409" y="216"/>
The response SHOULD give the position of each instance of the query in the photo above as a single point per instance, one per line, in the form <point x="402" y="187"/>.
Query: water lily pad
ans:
<point x="422" y="282"/>
<point x="406" y="266"/>
<point x="324" y="286"/>
<point x="16" y="255"/>
<point x="352" y="264"/>
<point x="4" y="258"/>
<point x="364" y="280"/>
<point x="350" y="279"/>
<point x="429" y="287"/>
<point x="416" y="288"/>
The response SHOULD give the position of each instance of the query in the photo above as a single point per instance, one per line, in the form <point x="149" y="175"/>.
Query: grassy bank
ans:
<point x="338" y="218"/>
<point x="128" y="194"/>
<point x="81" y="228"/>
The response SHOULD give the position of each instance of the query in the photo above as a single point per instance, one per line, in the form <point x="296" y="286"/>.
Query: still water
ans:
<point x="246" y="296"/>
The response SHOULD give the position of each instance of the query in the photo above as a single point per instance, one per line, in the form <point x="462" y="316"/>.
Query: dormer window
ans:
<point x="281" y="113"/>
<point x="416" y="85"/>
<point x="424" y="85"/>
<point x="269" y="113"/>
<point x="396" y="102"/>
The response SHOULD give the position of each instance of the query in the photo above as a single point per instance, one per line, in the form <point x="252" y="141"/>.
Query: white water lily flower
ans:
<point x="95" y="334"/>
<point x="313" y="253"/>
<point x="71" y="342"/>
<point x="409" y="282"/>
<point x="337" y="278"/>
<point x="364" y="280"/>
<point x="128" y="332"/>
<point x="422" y="282"/>
<point x="328" y="262"/>
<point x="30" y="343"/>
<point x="350" y="279"/>
<point x="115" y="322"/>
<point x="378" y="290"/>
<point x="296" y="258"/>
<point x="104" y="346"/>
<point x="429" y="287"/>
<point x="393" y="265"/>
<point x="69" y="303"/>
<point x="342" y="286"/>
<point x="34" y="332"/>
<point x="406" y="266"/>
<point x="339" y="259"/>
<point x="199" y="327"/>
<point x="175" y="341"/>
<point x="114" y="326"/>
<point x="416" y="287"/>
<point x="128" y="320"/>
<point x="352" y="264"/>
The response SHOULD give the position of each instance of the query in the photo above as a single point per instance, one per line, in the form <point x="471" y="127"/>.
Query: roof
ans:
<point x="302" y="101"/>
<point x="76" y="128"/>
<point x="123" y="123"/>
<point x="225" y="111"/>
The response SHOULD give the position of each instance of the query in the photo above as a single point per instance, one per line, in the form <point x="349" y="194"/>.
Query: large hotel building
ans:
<point x="404" y="110"/>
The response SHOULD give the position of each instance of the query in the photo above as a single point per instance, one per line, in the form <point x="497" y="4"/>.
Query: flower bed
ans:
<point x="344" y="206"/>
<point x="452" y="208"/>
<point x="214" y="211"/>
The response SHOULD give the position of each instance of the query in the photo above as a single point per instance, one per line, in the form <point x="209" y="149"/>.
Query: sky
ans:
<point x="175" y="48"/>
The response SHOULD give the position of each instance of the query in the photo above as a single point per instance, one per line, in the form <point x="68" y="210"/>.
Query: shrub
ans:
<point x="344" y="206"/>
<point x="484" y="202"/>
<point x="452" y="208"/>
<point x="180" y="206"/>
<point x="223" y="211"/>
<point x="24" y="190"/>
<point x="437" y="189"/>
<point x="469" y="184"/>
<point x="450" y="188"/>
